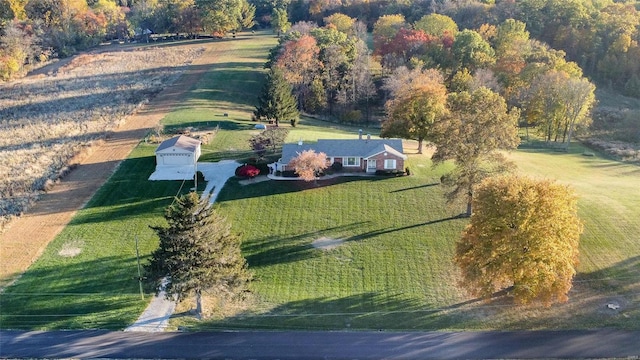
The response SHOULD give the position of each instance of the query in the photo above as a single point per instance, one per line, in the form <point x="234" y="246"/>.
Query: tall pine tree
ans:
<point x="276" y="101"/>
<point x="197" y="252"/>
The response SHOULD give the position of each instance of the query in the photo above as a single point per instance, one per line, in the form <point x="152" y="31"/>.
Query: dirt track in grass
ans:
<point x="27" y="236"/>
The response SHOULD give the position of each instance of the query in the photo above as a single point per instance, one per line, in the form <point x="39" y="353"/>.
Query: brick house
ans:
<point x="355" y="155"/>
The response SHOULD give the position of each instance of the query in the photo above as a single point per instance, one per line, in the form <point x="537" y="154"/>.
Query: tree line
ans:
<point x="33" y="31"/>
<point x="601" y="36"/>
<point x="330" y="71"/>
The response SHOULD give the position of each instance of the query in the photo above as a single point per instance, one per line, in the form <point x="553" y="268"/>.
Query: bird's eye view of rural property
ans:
<point x="299" y="165"/>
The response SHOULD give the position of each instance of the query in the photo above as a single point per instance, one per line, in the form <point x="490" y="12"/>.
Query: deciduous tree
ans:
<point x="220" y="16"/>
<point x="437" y="25"/>
<point x="478" y="125"/>
<point x="415" y="108"/>
<point x="341" y="22"/>
<point x="386" y="28"/>
<point x="269" y="139"/>
<point x="197" y="252"/>
<point x="280" y="20"/>
<point x="523" y="236"/>
<point x="247" y="15"/>
<point x="556" y="102"/>
<point x="308" y="164"/>
<point x="299" y="63"/>
<point x="471" y="51"/>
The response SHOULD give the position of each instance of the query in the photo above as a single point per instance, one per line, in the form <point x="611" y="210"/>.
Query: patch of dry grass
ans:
<point x="47" y="120"/>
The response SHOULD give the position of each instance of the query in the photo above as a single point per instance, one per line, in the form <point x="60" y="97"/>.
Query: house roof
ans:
<point x="362" y="148"/>
<point x="181" y="142"/>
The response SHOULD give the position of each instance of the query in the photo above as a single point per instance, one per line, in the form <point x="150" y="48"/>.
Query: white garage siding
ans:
<point x="176" y="159"/>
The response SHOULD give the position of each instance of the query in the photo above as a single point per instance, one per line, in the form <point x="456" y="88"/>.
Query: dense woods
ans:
<point x="601" y="37"/>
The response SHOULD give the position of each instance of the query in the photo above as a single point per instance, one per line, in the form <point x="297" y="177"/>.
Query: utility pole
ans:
<point x="139" y="271"/>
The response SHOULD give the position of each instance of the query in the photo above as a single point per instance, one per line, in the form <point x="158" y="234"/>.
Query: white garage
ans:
<point x="176" y="159"/>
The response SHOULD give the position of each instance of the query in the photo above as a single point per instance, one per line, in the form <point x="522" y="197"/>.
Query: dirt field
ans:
<point x="27" y="236"/>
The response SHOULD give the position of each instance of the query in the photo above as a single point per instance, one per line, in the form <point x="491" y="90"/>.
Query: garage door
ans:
<point x="176" y="159"/>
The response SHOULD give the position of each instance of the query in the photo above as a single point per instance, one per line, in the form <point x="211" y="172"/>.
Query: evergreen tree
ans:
<point x="276" y="101"/>
<point x="197" y="252"/>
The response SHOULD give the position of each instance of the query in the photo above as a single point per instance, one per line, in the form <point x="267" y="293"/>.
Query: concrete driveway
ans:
<point x="216" y="175"/>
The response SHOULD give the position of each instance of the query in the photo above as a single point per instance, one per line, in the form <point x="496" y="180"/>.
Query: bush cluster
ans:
<point x="617" y="149"/>
<point x="246" y="170"/>
<point x="390" y="172"/>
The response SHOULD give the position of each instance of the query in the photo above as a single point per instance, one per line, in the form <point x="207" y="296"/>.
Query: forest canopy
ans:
<point x="600" y="36"/>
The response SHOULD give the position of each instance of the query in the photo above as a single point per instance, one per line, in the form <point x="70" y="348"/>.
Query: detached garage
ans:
<point x="176" y="159"/>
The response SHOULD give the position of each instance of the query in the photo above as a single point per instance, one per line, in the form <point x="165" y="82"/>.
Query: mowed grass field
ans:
<point x="393" y="269"/>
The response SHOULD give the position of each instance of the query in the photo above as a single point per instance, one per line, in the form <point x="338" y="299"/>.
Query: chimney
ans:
<point x="300" y="142"/>
<point x="360" y="134"/>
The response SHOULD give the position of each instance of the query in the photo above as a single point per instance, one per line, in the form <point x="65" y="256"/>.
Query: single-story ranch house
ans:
<point x="177" y="158"/>
<point x="355" y="155"/>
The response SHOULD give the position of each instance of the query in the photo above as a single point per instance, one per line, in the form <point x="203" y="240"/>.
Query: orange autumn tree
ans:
<point x="523" y="237"/>
<point x="308" y="164"/>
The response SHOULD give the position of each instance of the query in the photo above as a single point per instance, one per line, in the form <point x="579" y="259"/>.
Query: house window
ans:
<point x="351" y="161"/>
<point x="390" y="164"/>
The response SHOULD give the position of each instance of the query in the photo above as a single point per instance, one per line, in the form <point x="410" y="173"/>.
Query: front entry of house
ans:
<point x="371" y="165"/>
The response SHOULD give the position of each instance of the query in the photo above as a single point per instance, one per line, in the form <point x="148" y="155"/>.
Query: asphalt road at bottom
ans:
<point x="321" y="345"/>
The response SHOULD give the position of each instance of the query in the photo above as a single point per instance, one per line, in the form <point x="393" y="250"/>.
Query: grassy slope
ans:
<point x="395" y="270"/>
<point x="98" y="287"/>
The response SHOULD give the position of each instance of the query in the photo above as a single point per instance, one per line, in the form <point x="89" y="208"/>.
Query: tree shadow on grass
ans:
<point x="386" y="310"/>
<point x="210" y="124"/>
<point x="415" y="187"/>
<point x="130" y="194"/>
<point x="379" y="232"/>
<point x="73" y="294"/>
<point x="234" y="191"/>
<point x="364" y="311"/>
<point x="272" y="250"/>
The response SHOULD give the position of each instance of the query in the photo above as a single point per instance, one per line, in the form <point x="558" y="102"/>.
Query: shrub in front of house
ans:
<point x="336" y="166"/>
<point x="389" y="172"/>
<point x="261" y="165"/>
<point x="289" y="173"/>
<point x="249" y="171"/>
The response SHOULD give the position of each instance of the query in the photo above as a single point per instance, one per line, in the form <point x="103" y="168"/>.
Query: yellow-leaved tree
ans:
<point x="523" y="237"/>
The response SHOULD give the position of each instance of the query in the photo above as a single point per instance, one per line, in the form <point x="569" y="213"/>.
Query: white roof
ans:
<point x="184" y="143"/>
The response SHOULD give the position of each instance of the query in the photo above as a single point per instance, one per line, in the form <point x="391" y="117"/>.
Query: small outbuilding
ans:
<point x="177" y="158"/>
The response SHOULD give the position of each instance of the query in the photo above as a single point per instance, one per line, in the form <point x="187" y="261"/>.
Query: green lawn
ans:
<point x="97" y="288"/>
<point x="393" y="270"/>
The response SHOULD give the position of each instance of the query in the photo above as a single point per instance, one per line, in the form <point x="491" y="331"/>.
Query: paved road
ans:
<point x="321" y="345"/>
